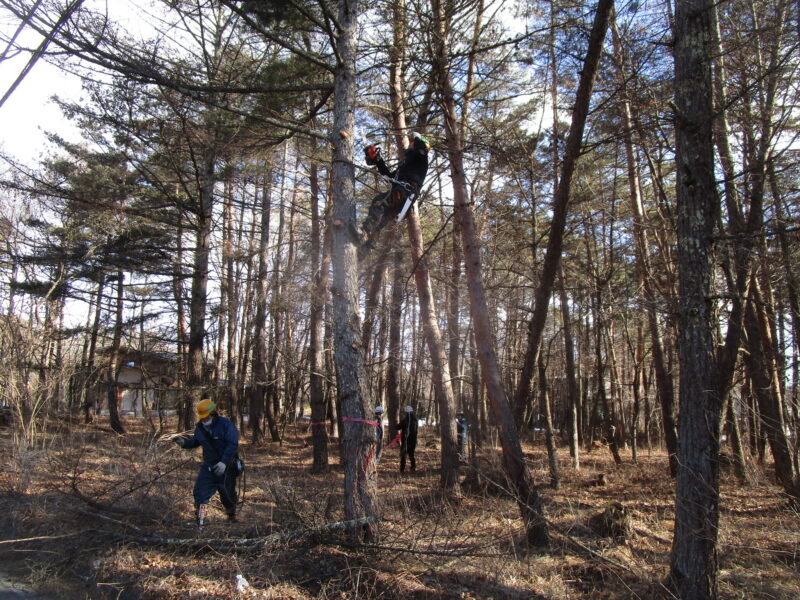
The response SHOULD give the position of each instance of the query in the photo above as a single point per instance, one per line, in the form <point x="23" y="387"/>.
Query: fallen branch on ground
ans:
<point x="584" y="548"/>
<point x="225" y="544"/>
<point x="645" y="532"/>
<point x="39" y="538"/>
<point x="449" y="553"/>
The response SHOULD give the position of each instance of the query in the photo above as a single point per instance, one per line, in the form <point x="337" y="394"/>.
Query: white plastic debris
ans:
<point x="242" y="584"/>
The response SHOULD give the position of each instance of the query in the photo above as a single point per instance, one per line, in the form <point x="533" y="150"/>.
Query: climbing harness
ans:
<point x="412" y="195"/>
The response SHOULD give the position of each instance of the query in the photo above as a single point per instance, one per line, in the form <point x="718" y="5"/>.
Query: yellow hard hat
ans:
<point x="204" y="408"/>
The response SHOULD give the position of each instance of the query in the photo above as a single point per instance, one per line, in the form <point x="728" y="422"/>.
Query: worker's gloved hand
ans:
<point x="372" y="154"/>
<point x="179" y="440"/>
<point x="218" y="469"/>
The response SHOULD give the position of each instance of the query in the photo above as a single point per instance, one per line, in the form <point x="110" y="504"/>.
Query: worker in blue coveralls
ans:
<point x="220" y="441"/>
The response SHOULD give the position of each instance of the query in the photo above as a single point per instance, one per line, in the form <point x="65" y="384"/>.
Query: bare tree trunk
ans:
<point x="371" y="300"/>
<point x="520" y="479"/>
<point x="440" y="367"/>
<point x="244" y="352"/>
<point x="550" y="440"/>
<point x="332" y="403"/>
<point x="454" y="291"/>
<point x="739" y="459"/>
<point x="761" y="371"/>
<point x="182" y="342"/>
<point x="224" y="291"/>
<point x="739" y="275"/>
<point x="114" y="366"/>
<point x="453" y="302"/>
<point x="572" y="384"/>
<point x="664" y="385"/>
<point x="316" y="350"/>
<point x="232" y="283"/>
<point x="620" y="427"/>
<point x="196" y="376"/>
<point x="395" y="346"/>
<point x="560" y="203"/>
<point x="609" y="428"/>
<point x="258" y="393"/>
<point x="91" y="377"/>
<point x="275" y="367"/>
<point x="638" y="389"/>
<point x="793" y="295"/>
<point x="694" y="561"/>
<point x="358" y="437"/>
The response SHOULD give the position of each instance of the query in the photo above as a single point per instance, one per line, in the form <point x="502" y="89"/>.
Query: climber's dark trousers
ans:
<point x="384" y="206"/>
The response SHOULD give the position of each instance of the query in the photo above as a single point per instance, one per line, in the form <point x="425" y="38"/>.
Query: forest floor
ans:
<point x="96" y="515"/>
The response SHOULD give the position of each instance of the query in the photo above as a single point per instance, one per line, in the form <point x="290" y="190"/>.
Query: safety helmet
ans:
<point x="378" y="410"/>
<point x="420" y="141"/>
<point x="409" y="408"/>
<point x="204" y="408"/>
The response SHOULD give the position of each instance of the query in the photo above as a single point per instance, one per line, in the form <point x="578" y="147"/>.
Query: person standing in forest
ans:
<point x="462" y="429"/>
<point x="408" y="439"/>
<point x="406" y="180"/>
<point x="219" y="439"/>
<point x="378" y="433"/>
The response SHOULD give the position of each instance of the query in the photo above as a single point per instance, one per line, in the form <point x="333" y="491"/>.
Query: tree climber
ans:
<point x="406" y="180"/>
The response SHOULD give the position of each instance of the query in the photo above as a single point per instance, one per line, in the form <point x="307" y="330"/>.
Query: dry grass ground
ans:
<point x="95" y="515"/>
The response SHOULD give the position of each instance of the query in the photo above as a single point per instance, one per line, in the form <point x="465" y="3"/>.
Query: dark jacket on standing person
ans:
<point x="220" y="441"/>
<point x="461" y="426"/>
<point x="408" y="430"/>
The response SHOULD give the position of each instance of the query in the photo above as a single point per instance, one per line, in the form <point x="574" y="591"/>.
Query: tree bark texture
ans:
<point x="180" y="316"/>
<point x="694" y="560"/>
<point x="316" y="350"/>
<point x="232" y="283"/>
<point x="358" y="438"/>
<point x="393" y="362"/>
<point x="258" y="392"/>
<point x="114" y="366"/>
